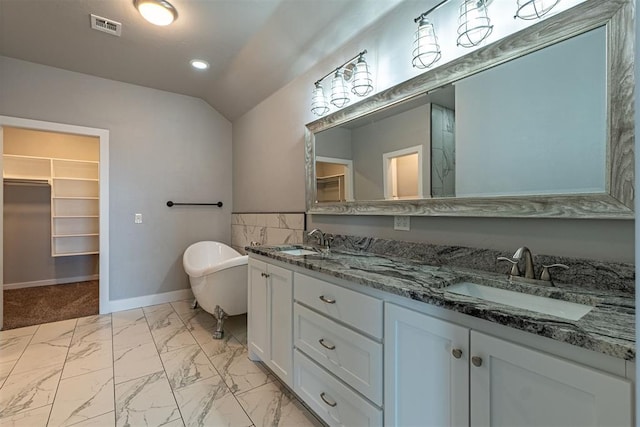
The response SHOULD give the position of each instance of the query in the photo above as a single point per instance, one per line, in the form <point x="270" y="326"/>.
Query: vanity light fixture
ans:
<point x="158" y="12"/>
<point x="199" y="64"/>
<point x="534" y="9"/>
<point x="355" y="72"/>
<point x="319" y="104"/>
<point x="474" y="23"/>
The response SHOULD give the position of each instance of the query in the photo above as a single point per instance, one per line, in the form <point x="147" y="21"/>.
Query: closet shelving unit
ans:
<point x="75" y="202"/>
<point x="328" y="185"/>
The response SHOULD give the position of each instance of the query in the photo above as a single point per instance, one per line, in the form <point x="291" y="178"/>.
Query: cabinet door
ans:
<point x="425" y="384"/>
<point x="257" y="315"/>
<point x="517" y="386"/>
<point x="280" y="307"/>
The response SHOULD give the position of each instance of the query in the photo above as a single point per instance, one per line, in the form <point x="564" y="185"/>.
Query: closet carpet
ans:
<point x="44" y="304"/>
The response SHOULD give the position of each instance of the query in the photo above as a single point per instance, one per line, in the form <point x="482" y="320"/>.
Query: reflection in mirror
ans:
<point x="542" y="127"/>
<point x="535" y="125"/>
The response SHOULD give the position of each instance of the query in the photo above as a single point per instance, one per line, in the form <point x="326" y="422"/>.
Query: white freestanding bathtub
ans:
<point x="218" y="277"/>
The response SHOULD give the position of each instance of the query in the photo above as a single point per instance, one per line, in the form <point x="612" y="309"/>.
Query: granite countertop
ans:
<point x="608" y="328"/>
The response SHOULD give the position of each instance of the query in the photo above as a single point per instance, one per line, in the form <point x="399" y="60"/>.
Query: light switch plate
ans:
<point x="138" y="218"/>
<point x="402" y="223"/>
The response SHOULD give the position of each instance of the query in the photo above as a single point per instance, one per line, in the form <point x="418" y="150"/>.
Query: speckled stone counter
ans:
<point x="608" y="328"/>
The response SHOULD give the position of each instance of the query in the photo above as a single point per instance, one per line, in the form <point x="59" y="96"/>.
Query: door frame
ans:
<point x="103" y="135"/>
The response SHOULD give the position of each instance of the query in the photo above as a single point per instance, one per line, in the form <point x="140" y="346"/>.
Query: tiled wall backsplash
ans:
<point x="266" y="229"/>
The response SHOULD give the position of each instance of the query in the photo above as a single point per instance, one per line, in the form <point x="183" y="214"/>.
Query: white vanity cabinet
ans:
<point x="269" y="317"/>
<point x="338" y="364"/>
<point x="489" y="381"/>
<point x="426" y="370"/>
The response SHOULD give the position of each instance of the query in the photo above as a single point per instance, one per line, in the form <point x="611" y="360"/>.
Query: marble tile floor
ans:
<point x="153" y="366"/>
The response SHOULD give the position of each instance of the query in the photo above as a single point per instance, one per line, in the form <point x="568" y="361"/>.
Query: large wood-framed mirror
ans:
<point x="538" y="124"/>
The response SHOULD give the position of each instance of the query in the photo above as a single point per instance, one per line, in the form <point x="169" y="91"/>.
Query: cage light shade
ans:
<point x="319" y="104"/>
<point x="339" y="92"/>
<point x="534" y="9"/>
<point x="362" y="84"/>
<point x="158" y="12"/>
<point x="426" y="50"/>
<point x="474" y="23"/>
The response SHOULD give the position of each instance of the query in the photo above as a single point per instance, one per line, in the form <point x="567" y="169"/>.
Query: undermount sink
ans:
<point x="565" y="309"/>
<point x="298" y="252"/>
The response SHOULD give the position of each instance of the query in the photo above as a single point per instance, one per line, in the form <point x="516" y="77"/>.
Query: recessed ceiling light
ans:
<point x="199" y="64"/>
<point x="158" y="12"/>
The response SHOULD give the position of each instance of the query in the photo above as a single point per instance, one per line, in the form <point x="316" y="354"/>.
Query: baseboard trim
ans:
<point x="61" y="281"/>
<point x="147" y="300"/>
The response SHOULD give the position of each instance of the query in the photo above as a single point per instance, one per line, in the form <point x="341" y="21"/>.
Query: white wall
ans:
<point x="268" y="149"/>
<point x="163" y="146"/>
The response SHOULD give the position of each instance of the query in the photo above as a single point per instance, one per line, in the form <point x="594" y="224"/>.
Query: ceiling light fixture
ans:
<point x="158" y="12"/>
<point x="200" y="64"/>
<point x="475" y="25"/>
<point x="534" y="9"/>
<point x="356" y="72"/>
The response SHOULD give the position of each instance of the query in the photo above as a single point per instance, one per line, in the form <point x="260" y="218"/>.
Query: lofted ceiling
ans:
<point x="254" y="46"/>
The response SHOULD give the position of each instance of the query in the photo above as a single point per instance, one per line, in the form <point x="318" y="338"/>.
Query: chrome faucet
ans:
<point x="318" y="234"/>
<point x="324" y="240"/>
<point x="529" y="273"/>
<point x="528" y="261"/>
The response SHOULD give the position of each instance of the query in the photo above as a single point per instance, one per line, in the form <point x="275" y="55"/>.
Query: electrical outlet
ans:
<point x="138" y="219"/>
<point x="402" y="223"/>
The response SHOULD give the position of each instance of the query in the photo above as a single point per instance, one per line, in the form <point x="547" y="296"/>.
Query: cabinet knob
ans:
<point x="476" y="360"/>
<point x="327" y="300"/>
<point x="264" y="274"/>
<point x="457" y="353"/>
<point x="329" y="402"/>
<point x="325" y="345"/>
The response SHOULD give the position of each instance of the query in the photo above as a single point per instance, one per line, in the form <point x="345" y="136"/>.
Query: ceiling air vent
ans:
<point x="105" y="25"/>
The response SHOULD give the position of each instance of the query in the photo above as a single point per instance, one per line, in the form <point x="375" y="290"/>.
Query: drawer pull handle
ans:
<point x="476" y="360"/>
<point x="327" y="300"/>
<point x="323" y="396"/>
<point x="325" y="345"/>
<point x="457" y="353"/>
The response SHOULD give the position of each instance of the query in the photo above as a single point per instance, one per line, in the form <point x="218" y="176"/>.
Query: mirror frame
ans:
<point x="618" y="200"/>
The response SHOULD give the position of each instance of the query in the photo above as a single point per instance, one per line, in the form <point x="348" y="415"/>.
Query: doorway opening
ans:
<point x="55" y="221"/>
<point x="402" y="173"/>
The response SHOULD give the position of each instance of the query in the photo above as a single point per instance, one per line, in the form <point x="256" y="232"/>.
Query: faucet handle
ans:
<point x="545" y="271"/>
<point x="328" y="240"/>
<point x="515" y="271"/>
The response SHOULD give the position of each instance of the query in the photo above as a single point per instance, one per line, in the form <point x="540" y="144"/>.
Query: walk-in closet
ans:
<point x="51" y="226"/>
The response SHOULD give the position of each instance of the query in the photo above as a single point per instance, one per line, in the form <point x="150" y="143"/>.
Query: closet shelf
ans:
<point x="75" y="198"/>
<point x="76" y="253"/>
<point x="75" y="216"/>
<point x="75" y="189"/>
<point x="70" y="178"/>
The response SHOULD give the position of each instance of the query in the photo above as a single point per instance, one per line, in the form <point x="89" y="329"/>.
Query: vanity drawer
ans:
<point x="353" y="308"/>
<point x="334" y="402"/>
<point x="352" y="357"/>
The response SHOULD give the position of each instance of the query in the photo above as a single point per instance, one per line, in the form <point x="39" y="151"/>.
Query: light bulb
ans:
<point x="426" y="51"/>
